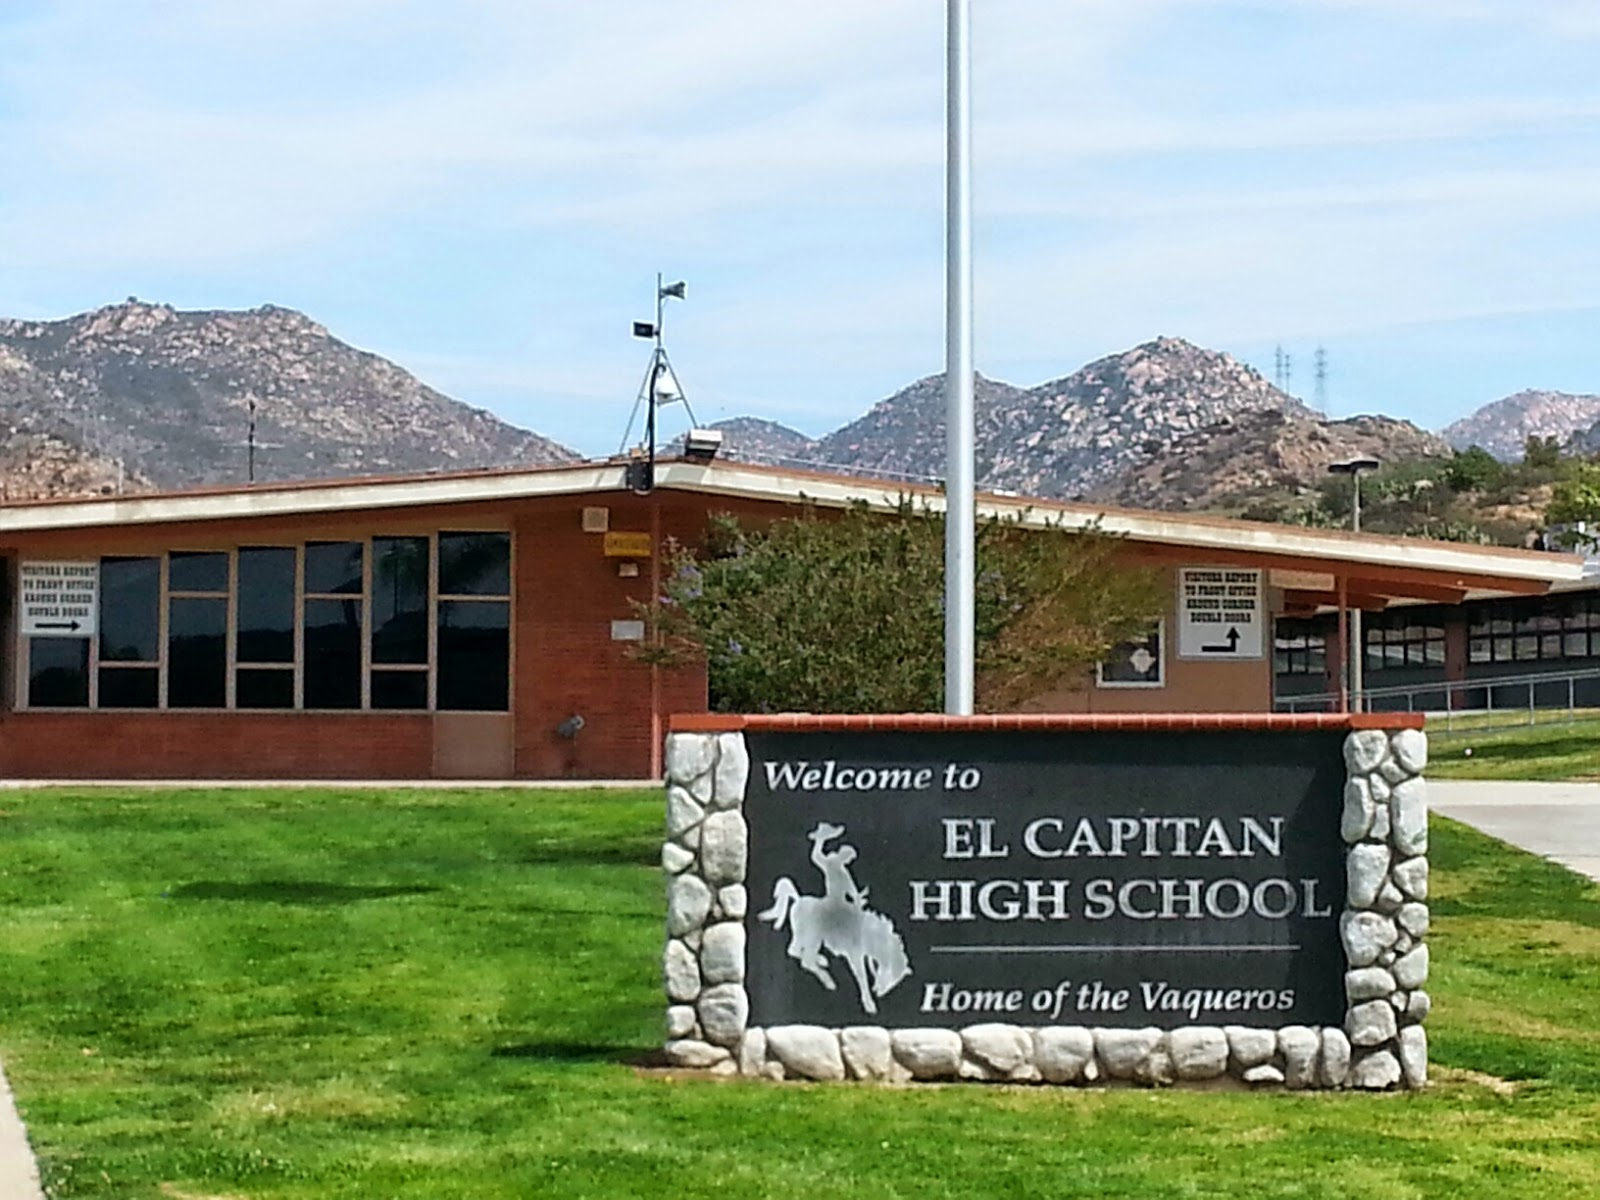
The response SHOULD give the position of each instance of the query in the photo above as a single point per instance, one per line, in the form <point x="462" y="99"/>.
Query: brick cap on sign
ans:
<point x="1063" y="722"/>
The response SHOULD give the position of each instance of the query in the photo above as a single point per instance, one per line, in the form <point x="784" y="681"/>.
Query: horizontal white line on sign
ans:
<point x="1104" y="949"/>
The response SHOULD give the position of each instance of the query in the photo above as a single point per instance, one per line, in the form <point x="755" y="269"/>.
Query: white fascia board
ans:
<point x="1200" y="536"/>
<point x="311" y="501"/>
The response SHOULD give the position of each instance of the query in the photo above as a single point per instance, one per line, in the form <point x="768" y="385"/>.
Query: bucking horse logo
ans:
<point x="839" y="922"/>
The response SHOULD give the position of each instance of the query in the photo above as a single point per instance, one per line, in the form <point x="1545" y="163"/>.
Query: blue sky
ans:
<point x="484" y="190"/>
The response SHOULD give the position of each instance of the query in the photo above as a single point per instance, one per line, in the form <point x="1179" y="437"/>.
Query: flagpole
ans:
<point x="960" y="515"/>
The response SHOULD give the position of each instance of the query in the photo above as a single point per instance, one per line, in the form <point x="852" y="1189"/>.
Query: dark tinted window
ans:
<point x="400" y="600"/>
<point x="263" y="688"/>
<point x="333" y="568"/>
<point x="333" y="654"/>
<point x="58" y="672"/>
<point x="197" y="571"/>
<point x="399" y="689"/>
<point x="130" y="609"/>
<point x="266" y="605"/>
<point x="474" y="655"/>
<point x="197" y="653"/>
<point x="129" y="687"/>
<point x="474" y="564"/>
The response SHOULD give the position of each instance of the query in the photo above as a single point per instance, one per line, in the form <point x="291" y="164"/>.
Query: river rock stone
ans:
<point x="724" y="847"/>
<point x="1378" y="786"/>
<point x="1121" y="1051"/>
<point x="724" y="1012"/>
<point x="675" y="859"/>
<point x="1198" y="1051"/>
<point x="1375" y="1071"/>
<point x="752" y="1052"/>
<point x="680" y="1021"/>
<point x="1250" y="1047"/>
<point x="688" y="1052"/>
<point x="1299" y="1045"/>
<point x="681" y="970"/>
<point x="1366" y="935"/>
<point x="732" y="771"/>
<point x="1391" y="770"/>
<point x="1408" y="811"/>
<point x="689" y="756"/>
<point x="1366" y="870"/>
<point x="1414" y="1055"/>
<point x="1411" y="970"/>
<point x="1403" y="943"/>
<point x="1002" y="1048"/>
<point x="1333" y="1064"/>
<point x="1410" y="750"/>
<point x="683" y="812"/>
<point x="1371" y="1023"/>
<point x="1387" y="957"/>
<point x="806" y="1050"/>
<point x="1356" y="818"/>
<point x="1156" y="1069"/>
<point x="734" y="901"/>
<point x="1419" y="1006"/>
<point x="927" y="1053"/>
<point x="1364" y="749"/>
<point x="1367" y="983"/>
<point x="1061" y="1052"/>
<point x="688" y="902"/>
<point x="1413" y="918"/>
<point x="1389" y="899"/>
<point x="1380" y="816"/>
<point x="722" y="953"/>
<point x="866" y="1052"/>
<point x="1411" y="877"/>
<point x="1265" y="1073"/>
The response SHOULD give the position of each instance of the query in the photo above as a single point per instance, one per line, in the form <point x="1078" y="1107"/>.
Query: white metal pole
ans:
<point x="960" y="516"/>
<point x="1357" y="638"/>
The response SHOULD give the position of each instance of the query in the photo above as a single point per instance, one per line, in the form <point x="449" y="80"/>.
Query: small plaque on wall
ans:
<point x="619" y="544"/>
<point x="627" y="631"/>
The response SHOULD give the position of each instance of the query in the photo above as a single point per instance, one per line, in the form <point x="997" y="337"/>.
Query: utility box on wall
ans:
<point x="1049" y="898"/>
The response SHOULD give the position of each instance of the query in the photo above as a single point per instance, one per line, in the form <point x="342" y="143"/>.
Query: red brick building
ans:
<point x="454" y="626"/>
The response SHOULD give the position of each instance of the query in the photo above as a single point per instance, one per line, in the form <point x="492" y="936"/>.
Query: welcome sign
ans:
<point x="909" y="879"/>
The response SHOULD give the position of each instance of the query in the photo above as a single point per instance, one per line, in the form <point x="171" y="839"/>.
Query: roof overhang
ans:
<point x="1377" y="568"/>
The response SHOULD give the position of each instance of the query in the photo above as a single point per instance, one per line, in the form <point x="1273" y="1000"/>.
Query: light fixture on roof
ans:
<point x="702" y="445"/>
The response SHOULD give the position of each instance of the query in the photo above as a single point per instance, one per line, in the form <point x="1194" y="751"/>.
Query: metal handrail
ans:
<point x="1451" y="688"/>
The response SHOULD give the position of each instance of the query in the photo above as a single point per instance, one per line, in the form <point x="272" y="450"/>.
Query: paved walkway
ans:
<point x="1560" y="821"/>
<point x="19" y="1175"/>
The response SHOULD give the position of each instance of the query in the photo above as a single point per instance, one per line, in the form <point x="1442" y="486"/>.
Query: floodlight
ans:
<point x="643" y="329"/>
<point x="702" y="444"/>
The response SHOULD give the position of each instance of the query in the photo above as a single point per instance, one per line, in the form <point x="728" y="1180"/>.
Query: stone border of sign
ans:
<point x="1384" y="929"/>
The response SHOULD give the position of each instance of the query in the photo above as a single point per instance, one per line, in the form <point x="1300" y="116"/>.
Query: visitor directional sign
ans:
<point x="1220" y="613"/>
<point x="59" y="599"/>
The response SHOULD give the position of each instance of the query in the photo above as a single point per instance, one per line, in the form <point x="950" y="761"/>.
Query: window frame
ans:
<point x="22" y="650"/>
<point x="1159" y="628"/>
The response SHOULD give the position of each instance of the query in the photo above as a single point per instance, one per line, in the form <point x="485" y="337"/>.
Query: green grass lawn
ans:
<point x="1565" y="750"/>
<point x="333" y="994"/>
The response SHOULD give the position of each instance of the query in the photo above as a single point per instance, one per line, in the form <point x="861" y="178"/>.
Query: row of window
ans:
<point x="402" y="622"/>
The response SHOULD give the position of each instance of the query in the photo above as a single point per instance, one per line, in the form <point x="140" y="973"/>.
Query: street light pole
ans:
<point x="960" y="516"/>
<point x="1355" y="650"/>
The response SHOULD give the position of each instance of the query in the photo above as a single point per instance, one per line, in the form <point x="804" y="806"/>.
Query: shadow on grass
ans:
<point x="631" y="1056"/>
<point x="627" y="853"/>
<point x="293" y="891"/>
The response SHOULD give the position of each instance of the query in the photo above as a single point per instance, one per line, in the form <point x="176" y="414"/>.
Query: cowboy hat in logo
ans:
<point x="840" y="923"/>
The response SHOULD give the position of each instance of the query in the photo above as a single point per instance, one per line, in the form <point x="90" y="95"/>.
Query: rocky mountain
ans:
<point x="168" y="395"/>
<point x="1503" y="427"/>
<point x="39" y="466"/>
<point x="1260" y="458"/>
<point x="1068" y="437"/>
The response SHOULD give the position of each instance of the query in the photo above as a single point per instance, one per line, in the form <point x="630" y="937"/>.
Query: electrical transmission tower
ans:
<point x="1321" y="371"/>
<point x="1277" y="367"/>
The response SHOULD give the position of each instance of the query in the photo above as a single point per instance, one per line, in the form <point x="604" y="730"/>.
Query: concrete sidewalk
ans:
<point x="19" y="1174"/>
<point x="1559" y="821"/>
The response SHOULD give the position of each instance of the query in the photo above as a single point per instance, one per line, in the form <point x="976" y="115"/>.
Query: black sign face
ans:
<point x="1045" y="878"/>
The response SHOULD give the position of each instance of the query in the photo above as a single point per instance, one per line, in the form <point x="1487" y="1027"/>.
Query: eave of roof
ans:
<point x="1202" y="535"/>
